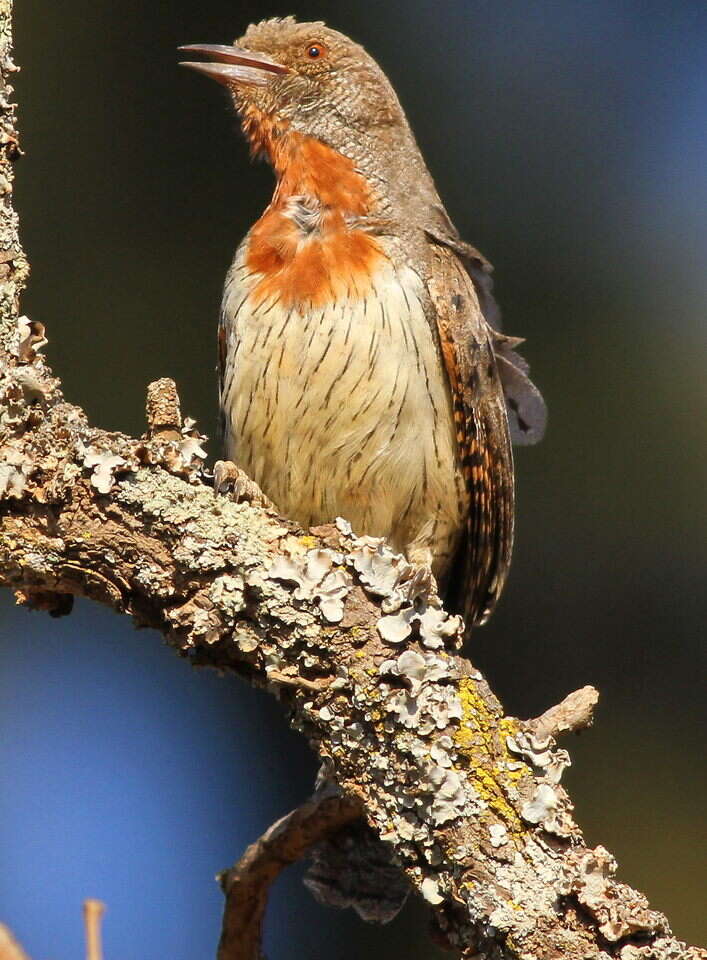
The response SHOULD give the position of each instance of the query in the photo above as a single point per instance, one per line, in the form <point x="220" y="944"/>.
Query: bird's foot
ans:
<point x="230" y="479"/>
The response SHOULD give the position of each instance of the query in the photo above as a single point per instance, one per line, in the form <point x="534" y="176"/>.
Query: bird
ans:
<point x="362" y="370"/>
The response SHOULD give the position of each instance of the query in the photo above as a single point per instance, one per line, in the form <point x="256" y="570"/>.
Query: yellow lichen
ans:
<point x="479" y="723"/>
<point x="477" y="718"/>
<point x="489" y="789"/>
<point x="481" y="727"/>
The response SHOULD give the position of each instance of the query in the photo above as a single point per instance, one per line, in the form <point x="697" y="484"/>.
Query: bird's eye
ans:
<point x="316" y="51"/>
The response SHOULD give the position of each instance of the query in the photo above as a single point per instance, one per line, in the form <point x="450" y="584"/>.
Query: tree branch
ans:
<point x="247" y="884"/>
<point x="346" y="633"/>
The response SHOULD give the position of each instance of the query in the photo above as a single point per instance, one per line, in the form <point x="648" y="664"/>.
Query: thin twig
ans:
<point x="92" y="912"/>
<point x="9" y="947"/>
<point x="247" y="884"/>
<point x="298" y="682"/>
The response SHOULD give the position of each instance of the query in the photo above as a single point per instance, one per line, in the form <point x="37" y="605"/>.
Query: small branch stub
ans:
<point x="574" y="713"/>
<point x="164" y="417"/>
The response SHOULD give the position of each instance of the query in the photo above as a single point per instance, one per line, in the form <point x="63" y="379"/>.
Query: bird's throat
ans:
<point x="311" y="245"/>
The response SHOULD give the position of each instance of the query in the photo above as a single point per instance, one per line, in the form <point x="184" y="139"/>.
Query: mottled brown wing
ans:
<point x="481" y="565"/>
<point x="525" y="407"/>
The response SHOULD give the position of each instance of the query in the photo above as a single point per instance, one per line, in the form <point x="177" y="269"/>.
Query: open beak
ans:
<point x="232" y="64"/>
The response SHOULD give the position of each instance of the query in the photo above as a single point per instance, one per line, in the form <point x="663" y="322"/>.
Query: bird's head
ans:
<point x="286" y="76"/>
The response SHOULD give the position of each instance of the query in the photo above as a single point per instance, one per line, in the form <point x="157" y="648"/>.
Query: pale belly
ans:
<point x="345" y="411"/>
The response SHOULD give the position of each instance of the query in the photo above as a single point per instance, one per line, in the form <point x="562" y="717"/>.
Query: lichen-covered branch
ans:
<point x="348" y="635"/>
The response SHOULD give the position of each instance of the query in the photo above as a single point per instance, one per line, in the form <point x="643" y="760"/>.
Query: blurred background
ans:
<point x="567" y="139"/>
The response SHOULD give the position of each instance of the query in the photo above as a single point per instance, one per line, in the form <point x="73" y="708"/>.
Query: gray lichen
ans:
<point x="104" y="466"/>
<point x="408" y="594"/>
<point x="318" y="575"/>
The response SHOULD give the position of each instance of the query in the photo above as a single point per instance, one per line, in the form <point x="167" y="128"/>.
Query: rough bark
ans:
<point x="247" y="885"/>
<point x="347" y="634"/>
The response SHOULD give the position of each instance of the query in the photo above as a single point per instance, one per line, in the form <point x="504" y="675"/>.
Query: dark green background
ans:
<point x="567" y="141"/>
